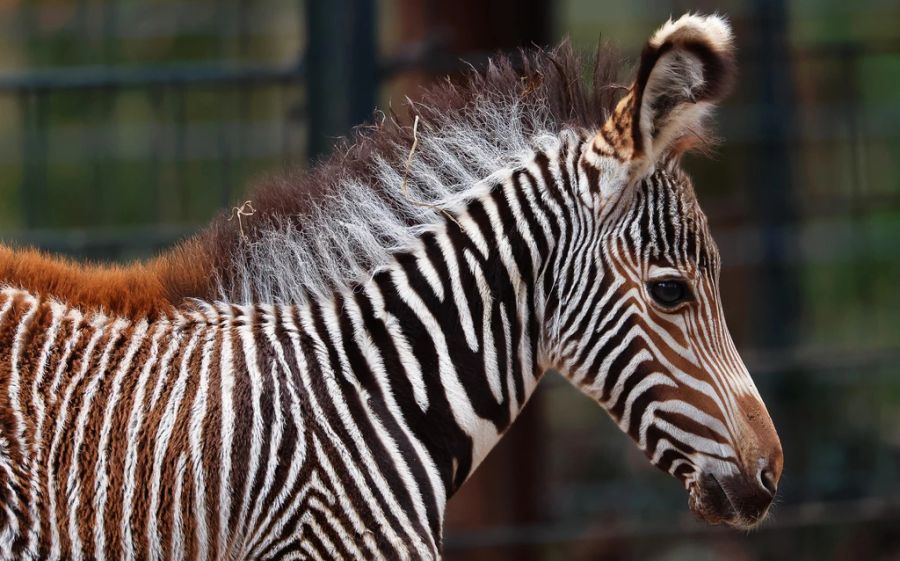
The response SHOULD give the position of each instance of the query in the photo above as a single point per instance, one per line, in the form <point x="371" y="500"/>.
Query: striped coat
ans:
<point x="337" y="423"/>
<point x="217" y="434"/>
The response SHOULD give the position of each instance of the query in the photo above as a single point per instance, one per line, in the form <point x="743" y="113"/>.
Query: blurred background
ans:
<point x="125" y="124"/>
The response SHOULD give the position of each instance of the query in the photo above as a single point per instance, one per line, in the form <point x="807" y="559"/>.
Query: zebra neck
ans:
<point x="443" y="344"/>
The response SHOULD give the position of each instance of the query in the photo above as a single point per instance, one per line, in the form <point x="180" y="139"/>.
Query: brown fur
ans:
<point x="147" y="289"/>
<point x="760" y="438"/>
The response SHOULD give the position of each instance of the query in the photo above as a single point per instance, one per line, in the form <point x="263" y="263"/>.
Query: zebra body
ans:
<point x="337" y="426"/>
<point x="331" y="430"/>
<point x="220" y="434"/>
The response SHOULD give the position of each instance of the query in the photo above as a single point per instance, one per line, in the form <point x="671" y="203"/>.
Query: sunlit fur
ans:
<point x="360" y="367"/>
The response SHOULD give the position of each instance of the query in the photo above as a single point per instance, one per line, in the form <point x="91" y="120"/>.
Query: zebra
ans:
<point x="314" y="377"/>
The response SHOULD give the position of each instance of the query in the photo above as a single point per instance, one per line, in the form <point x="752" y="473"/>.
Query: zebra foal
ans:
<point x="317" y="383"/>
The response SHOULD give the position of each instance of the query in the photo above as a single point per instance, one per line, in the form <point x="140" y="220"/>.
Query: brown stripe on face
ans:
<point x="698" y="399"/>
<point x="686" y="422"/>
<point x="671" y="328"/>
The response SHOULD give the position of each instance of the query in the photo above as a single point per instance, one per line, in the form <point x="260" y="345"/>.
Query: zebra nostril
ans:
<point x="768" y="480"/>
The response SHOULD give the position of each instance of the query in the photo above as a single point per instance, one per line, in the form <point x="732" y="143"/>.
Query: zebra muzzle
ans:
<point x="734" y="500"/>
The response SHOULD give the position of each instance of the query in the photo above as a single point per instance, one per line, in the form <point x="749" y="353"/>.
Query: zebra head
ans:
<point x="639" y="324"/>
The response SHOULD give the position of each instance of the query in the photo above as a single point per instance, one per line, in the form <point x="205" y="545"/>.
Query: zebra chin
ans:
<point x="733" y="500"/>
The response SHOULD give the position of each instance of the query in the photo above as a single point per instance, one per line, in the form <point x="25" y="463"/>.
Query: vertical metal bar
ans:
<point x="42" y="146"/>
<point x="81" y="23"/>
<point x="778" y="295"/>
<point x="226" y="126"/>
<point x="851" y="87"/>
<point x="156" y="97"/>
<point x="243" y="100"/>
<point x="224" y="122"/>
<point x="30" y="185"/>
<point x="110" y="40"/>
<point x="341" y="59"/>
<point x="28" y="210"/>
<point x="100" y="148"/>
<point x="28" y="25"/>
<point x="36" y="159"/>
<point x="222" y="22"/>
<point x="26" y="103"/>
<point x="180" y="159"/>
<point x="243" y="29"/>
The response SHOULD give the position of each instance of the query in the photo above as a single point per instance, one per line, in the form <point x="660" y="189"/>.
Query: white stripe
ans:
<point x="408" y="359"/>
<point x="375" y="362"/>
<point x="176" y="548"/>
<point x="483" y="432"/>
<point x="135" y="421"/>
<point x="73" y="482"/>
<point x="163" y="434"/>
<point x="359" y="527"/>
<point x="275" y="438"/>
<point x="330" y="319"/>
<point x="57" y="312"/>
<point x="196" y="436"/>
<point x="101" y="486"/>
<point x="226" y="375"/>
<point x="13" y="391"/>
<point x="97" y="323"/>
<point x="489" y="353"/>
<point x="298" y="460"/>
<point x="251" y="361"/>
<point x="459" y="295"/>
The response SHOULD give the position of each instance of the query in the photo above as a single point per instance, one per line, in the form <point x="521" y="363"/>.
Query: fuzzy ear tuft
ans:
<point x="712" y="29"/>
<point x="686" y="67"/>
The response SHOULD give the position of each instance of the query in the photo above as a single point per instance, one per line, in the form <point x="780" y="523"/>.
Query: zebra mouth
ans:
<point x="710" y="502"/>
<point x="727" y="502"/>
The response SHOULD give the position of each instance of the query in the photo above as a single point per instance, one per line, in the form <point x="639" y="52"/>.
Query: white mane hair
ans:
<point x="340" y="222"/>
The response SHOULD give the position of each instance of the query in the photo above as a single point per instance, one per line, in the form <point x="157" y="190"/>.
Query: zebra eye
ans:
<point x="669" y="292"/>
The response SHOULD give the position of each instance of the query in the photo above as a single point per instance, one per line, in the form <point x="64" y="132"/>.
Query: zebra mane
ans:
<point x="316" y="229"/>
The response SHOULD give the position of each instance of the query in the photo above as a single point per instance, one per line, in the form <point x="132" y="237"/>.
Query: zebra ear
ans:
<point x="686" y="67"/>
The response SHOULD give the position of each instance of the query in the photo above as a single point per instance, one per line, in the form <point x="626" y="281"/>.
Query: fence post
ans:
<point x="341" y="66"/>
<point x="778" y="296"/>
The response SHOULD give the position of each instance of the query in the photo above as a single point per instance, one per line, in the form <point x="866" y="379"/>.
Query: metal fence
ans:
<point x="334" y="77"/>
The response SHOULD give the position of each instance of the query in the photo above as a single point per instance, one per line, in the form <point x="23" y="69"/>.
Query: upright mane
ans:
<point x="375" y="193"/>
<point x="332" y="224"/>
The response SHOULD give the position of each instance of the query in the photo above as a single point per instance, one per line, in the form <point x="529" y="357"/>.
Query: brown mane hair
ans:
<point x="544" y="83"/>
<point x="147" y="289"/>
